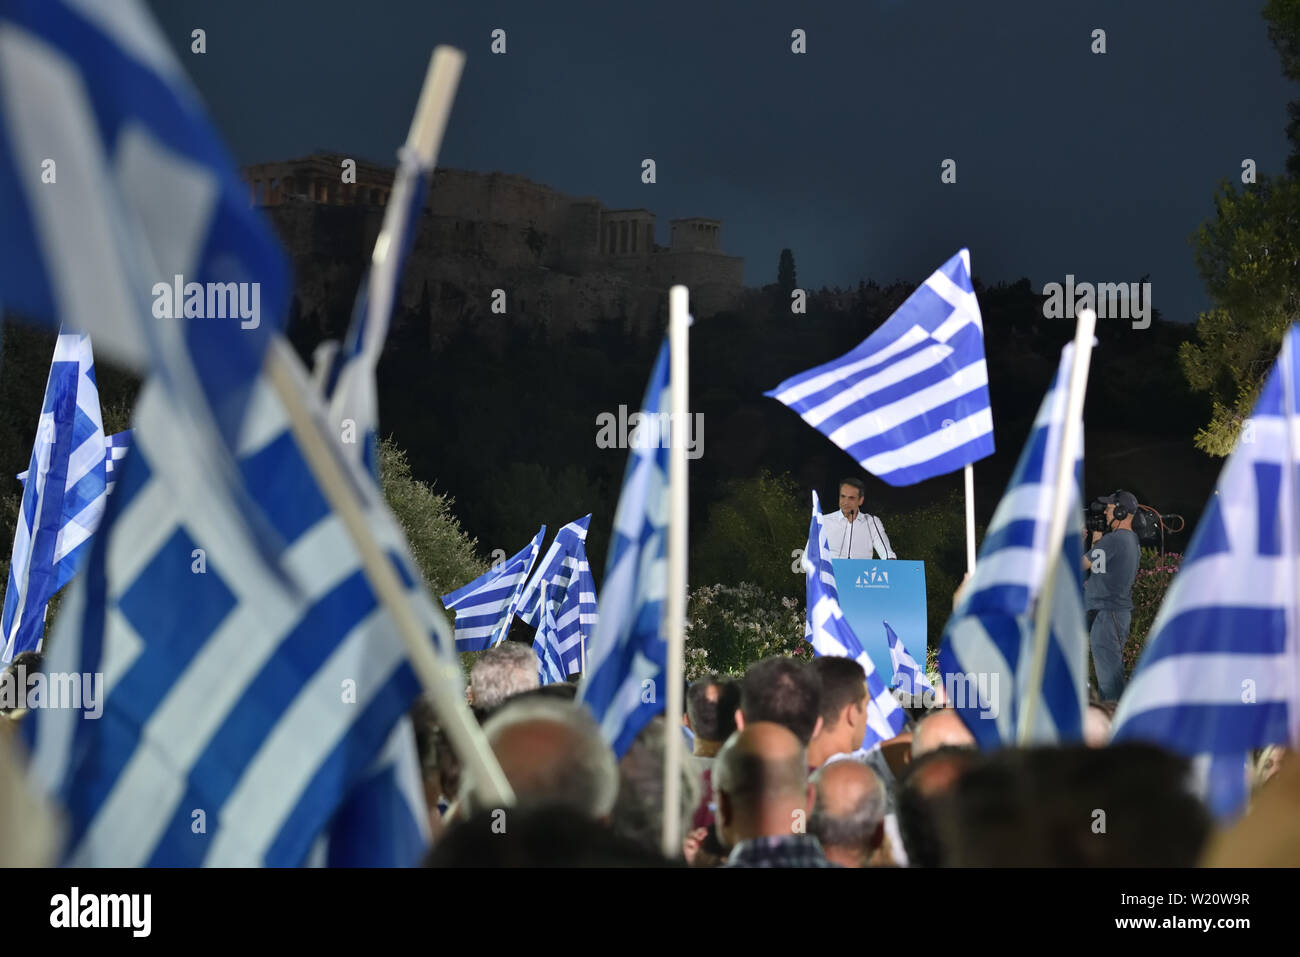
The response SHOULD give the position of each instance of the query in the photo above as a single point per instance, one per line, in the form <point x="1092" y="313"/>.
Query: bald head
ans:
<point x="943" y="728"/>
<point x="551" y="751"/>
<point x="848" y="811"/>
<point x="761" y="777"/>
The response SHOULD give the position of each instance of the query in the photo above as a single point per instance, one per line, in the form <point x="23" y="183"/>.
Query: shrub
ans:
<point x="1155" y="572"/>
<point x="729" y="627"/>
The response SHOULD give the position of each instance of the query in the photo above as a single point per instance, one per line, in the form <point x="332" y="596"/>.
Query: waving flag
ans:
<point x="629" y="652"/>
<point x="250" y="678"/>
<point x="1218" y="677"/>
<point x="562" y="583"/>
<point x="912" y="400"/>
<point x="985" y="658"/>
<point x="351" y="384"/>
<point x="828" y="631"/>
<point x="115" y="448"/>
<point x="61" y="509"/>
<point x="486" y="606"/>
<point x="907" y="674"/>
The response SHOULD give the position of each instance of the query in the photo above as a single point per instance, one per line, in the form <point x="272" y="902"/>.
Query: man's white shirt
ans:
<point x="865" y="536"/>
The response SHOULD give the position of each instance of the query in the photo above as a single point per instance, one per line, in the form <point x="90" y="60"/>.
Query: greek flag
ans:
<point x="907" y="674"/>
<point x="829" y="633"/>
<point x="986" y="655"/>
<point x="61" y="509"/>
<point x="1218" y="676"/>
<point x="486" y="606"/>
<point x="115" y="448"/>
<point x="247" y="678"/>
<point x="353" y="400"/>
<point x="912" y="400"/>
<point x="629" y="653"/>
<point x="563" y="584"/>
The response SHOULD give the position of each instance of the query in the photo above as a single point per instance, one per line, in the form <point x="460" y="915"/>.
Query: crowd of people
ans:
<point x="776" y="776"/>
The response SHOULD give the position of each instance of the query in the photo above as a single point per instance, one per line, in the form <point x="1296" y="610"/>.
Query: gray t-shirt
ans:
<point x="1112" y="590"/>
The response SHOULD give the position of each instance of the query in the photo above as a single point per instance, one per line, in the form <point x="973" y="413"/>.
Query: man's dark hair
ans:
<point x="856" y="483"/>
<point x="783" y="690"/>
<point x="843" y="684"/>
<point x="922" y="797"/>
<point x="31" y="662"/>
<point x="1042" y="807"/>
<point x="713" y="720"/>
<point x="538" y="836"/>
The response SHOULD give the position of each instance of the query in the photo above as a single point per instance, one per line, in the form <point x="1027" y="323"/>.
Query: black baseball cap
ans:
<point x="1127" y="499"/>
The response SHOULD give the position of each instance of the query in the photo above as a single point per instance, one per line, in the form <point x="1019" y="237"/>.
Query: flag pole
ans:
<point x="970" y="519"/>
<point x="675" y="602"/>
<point x="1289" y="525"/>
<point x="439" y="678"/>
<point x="1062" y="500"/>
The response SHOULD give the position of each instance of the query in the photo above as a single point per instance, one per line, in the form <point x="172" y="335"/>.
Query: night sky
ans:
<point x="1067" y="162"/>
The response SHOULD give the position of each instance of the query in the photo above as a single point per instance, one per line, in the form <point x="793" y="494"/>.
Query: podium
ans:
<point x="875" y="591"/>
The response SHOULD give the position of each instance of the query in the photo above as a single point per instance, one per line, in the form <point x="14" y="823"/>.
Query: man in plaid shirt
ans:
<point x="764" y="799"/>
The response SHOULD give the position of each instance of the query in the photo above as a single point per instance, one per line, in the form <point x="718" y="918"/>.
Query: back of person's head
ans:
<point x="848" y="808"/>
<point x="921" y="799"/>
<point x="1127" y="805"/>
<point x="558" y="690"/>
<point x="711" y="704"/>
<point x="501" y="673"/>
<point x="940" y="728"/>
<point x="639" y="809"/>
<point x="552" y="752"/>
<point x="783" y="690"/>
<point x="537" y="836"/>
<point x="760" y="778"/>
<point x="844" y="683"/>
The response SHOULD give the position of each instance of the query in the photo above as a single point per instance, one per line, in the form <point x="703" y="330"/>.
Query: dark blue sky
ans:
<point x="1067" y="162"/>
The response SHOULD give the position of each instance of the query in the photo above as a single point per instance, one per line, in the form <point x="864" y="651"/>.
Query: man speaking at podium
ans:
<point x="851" y="532"/>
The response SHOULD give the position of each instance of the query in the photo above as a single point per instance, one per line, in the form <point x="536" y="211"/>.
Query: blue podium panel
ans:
<point x="873" y="592"/>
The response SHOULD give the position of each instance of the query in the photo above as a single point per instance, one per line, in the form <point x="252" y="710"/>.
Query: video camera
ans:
<point x="1148" y="524"/>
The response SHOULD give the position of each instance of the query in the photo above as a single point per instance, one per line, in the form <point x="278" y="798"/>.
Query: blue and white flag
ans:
<point x="1218" y="676"/>
<point x="912" y="400"/>
<point x="629" y="653"/>
<point x="350" y="386"/>
<point x="242" y="666"/>
<point x="62" y="508"/>
<point x="907" y="673"/>
<point x="828" y="631"/>
<point x="563" y="583"/>
<point x="987" y="652"/>
<point x="486" y="606"/>
<point x="115" y="448"/>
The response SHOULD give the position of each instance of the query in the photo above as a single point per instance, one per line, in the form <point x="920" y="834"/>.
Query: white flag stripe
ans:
<point x="928" y="358"/>
<point x="908" y="340"/>
<point x="945" y="440"/>
<point x="885" y="417"/>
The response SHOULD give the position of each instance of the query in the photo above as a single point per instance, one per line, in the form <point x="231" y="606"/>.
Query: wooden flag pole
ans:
<point x="439" y="677"/>
<point x="675" y="602"/>
<point x="970" y="519"/>
<point x="1061" y="504"/>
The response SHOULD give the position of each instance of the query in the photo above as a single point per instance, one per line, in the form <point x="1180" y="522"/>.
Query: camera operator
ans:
<point x="1112" y="563"/>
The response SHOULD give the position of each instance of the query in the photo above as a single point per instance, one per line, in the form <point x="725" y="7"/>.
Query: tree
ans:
<point x="444" y="553"/>
<point x="1283" y="18"/>
<point x="785" y="277"/>
<point x="1249" y="257"/>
